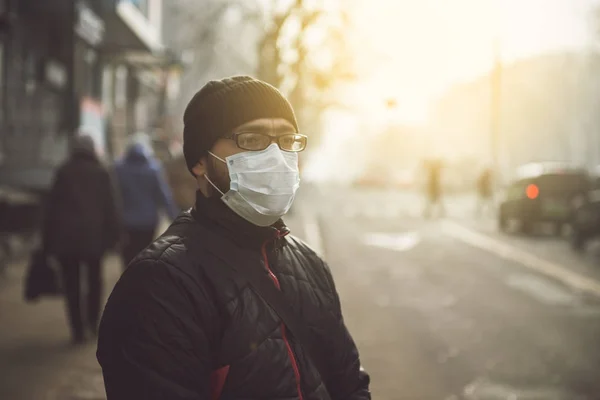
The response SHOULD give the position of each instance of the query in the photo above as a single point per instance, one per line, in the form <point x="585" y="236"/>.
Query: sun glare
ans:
<point x="426" y="46"/>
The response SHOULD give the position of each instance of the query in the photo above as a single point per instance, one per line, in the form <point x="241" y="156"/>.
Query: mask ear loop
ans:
<point x="208" y="179"/>
<point x="213" y="185"/>
<point x="217" y="157"/>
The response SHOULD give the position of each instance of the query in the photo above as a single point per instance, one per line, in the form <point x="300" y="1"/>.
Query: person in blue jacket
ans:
<point x="144" y="193"/>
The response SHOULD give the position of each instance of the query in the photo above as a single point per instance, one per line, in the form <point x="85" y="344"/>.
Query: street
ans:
<point x="443" y="309"/>
<point x="440" y="315"/>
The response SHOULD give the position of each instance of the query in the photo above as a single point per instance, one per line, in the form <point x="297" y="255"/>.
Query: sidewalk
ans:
<point x="37" y="361"/>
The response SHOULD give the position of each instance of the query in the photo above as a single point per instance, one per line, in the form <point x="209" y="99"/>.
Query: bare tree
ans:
<point x="283" y="42"/>
<point x="220" y="36"/>
<point x="291" y="59"/>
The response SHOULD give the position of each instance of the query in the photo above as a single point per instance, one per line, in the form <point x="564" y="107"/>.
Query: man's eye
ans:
<point x="251" y="140"/>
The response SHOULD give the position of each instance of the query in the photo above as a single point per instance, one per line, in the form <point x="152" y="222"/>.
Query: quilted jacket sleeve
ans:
<point x="152" y="341"/>
<point x="347" y="379"/>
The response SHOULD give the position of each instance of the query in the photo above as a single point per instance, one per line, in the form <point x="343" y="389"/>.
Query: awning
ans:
<point x="130" y="36"/>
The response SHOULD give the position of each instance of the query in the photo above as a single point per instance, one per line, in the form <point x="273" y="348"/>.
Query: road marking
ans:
<point x="381" y="211"/>
<point x="541" y="289"/>
<point x="349" y="211"/>
<point x="524" y="258"/>
<point x="312" y="230"/>
<point x="483" y="388"/>
<point x="396" y="242"/>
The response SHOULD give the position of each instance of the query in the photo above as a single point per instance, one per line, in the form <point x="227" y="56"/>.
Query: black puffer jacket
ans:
<point x="170" y="332"/>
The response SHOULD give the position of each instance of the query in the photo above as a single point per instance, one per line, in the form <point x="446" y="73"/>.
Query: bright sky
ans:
<point x="421" y="47"/>
<point x="417" y="49"/>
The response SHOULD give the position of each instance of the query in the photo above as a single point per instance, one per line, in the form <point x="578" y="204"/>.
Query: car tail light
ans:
<point x="532" y="192"/>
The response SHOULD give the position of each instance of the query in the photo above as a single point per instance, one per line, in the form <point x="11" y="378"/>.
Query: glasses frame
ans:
<point x="274" y="139"/>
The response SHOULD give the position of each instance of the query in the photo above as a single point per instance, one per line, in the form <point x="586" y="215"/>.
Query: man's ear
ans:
<point x="201" y="167"/>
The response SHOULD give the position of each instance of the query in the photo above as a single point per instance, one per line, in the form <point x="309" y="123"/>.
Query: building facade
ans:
<point x="134" y="60"/>
<point x="36" y="55"/>
<point x="90" y="33"/>
<point x="70" y="66"/>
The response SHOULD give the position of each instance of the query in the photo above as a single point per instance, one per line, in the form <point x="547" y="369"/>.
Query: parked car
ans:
<point x="585" y="222"/>
<point x="543" y="193"/>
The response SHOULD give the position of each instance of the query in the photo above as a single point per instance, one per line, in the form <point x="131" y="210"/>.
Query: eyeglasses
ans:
<point x="253" y="141"/>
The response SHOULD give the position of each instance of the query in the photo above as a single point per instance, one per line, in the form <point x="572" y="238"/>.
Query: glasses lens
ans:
<point x="252" y="141"/>
<point x="293" y="142"/>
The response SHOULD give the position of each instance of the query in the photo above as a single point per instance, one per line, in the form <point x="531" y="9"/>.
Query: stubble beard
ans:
<point x="218" y="179"/>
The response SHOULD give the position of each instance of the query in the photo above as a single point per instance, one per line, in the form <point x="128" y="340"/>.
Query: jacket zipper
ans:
<point x="282" y="327"/>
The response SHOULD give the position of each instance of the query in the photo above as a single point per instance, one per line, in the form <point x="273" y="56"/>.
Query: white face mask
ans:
<point x="263" y="184"/>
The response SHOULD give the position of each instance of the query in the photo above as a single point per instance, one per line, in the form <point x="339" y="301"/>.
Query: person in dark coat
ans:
<point x="81" y="223"/>
<point x="172" y="330"/>
<point x="144" y="193"/>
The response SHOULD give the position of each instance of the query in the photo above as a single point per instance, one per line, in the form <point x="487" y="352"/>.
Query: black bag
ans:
<point x="41" y="278"/>
<point x="237" y="260"/>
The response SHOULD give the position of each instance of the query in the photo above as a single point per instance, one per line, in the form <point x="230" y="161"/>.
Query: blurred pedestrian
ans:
<point x="485" y="193"/>
<point x="435" y="202"/>
<point x="199" y="315"/>
<point x="144" y="193"/>
<point x="81" y="224"/>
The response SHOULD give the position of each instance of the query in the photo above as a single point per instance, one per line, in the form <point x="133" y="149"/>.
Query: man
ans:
<point x="81" y="224"/>
<point x="144" y="192"/>
<point x="179" y="324"/>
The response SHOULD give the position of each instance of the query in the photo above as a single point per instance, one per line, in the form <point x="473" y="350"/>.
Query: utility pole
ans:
<point x="495" y="105"/>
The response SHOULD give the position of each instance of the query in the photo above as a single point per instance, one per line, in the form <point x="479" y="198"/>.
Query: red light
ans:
<point x="532" y="191"/>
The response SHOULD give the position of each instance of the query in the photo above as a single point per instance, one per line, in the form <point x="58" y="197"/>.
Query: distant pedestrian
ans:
<point x="485" y="193"/>
<point x="433" y="170"/>
<point x="144" y="193"/>
<point x="81" y="224"/>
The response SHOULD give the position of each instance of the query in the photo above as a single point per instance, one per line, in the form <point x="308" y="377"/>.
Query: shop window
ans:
<point x="120" y="86"/>
<point x="79" y="69"/>
<point x="97" y="81"/>
<point x="91" y="72"/>
<point x="107" y="92"/>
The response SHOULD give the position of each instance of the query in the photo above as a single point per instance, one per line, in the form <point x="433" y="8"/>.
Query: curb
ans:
<point x="528" y="260"/>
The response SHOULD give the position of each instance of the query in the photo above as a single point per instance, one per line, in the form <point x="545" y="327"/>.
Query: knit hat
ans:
<point x="221" y="106"/>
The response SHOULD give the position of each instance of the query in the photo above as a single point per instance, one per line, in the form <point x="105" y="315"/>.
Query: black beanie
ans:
<point x="221" y="106"/>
